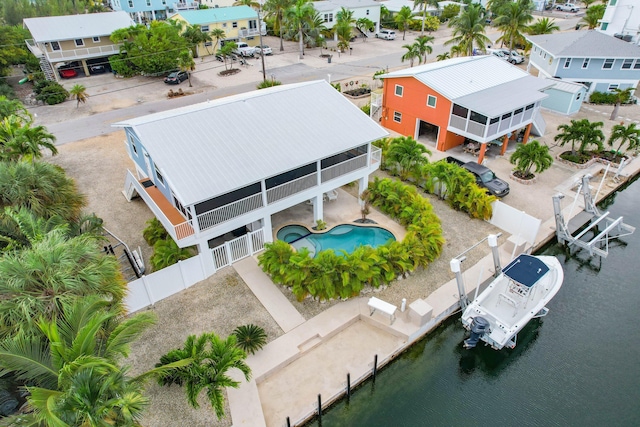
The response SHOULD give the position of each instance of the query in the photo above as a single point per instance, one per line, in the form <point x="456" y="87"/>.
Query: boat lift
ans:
<point x="599" y="244"/>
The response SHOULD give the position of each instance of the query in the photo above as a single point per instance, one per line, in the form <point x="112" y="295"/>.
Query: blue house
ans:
<point x="143" y="11"/>
<point x="564" y="97"/>
<point x="598" y="61"/>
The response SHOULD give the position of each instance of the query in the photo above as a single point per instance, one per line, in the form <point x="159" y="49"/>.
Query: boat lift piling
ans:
<point x="456" y="263"/>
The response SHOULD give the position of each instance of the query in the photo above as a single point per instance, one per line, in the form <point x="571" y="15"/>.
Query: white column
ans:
<point x="206" y="258"/>
<point x="363" y="183"/>
<point x="268" y="229"/>
<point x="317" y="208"/>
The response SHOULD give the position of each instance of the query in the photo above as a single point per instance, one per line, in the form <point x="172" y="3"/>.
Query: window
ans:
<point x="204" y="28"/>
<point x="399" y="90"/>
<point x="328" y="17"/>
<point x="506" y="116"/>
<point x="55" y="46"/>
<point x="224" y="25"/>
<point x="612" y="87"/>
<point x="459" y="111"/>
<point x="636" y="65"/>
<point x="133" y="147"/>
<point x="529" y="107"/>
<point x="626" y="64"/>
<point x="208" y="44"/>
<point x="518" y="111"/>
<point x="585" y="63"/>
<point x="79" y="42"/>
<point x="478" y="118"/>
<point x="567" y="63"/>
<point x="131" y="4"/>
<point x="578" y="96"/>
<point x="149" y="3"/>
<point x="253" y="24"/>
<point x="431" y="101"/>
<point x="158" y="174"/>
<point x="608" y="64"/>
<point x="96" y="39"/>
<point x="397" y="116"/>
<point x="604" y="26"/>
<point x="613" y="2"/>
<point x="494" y="120"/>
<point x="234" y="25"/>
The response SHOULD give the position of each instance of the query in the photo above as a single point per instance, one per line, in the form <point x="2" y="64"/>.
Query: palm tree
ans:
<point x="457" y="50"/>
<point x="364" y="25"/>
<point x="443" y="56"/>
<point x="21" y="141"/>
<point x="621" y="96"/>
<point x="40" y="187"/>
<point x="629" y="135"/>
<point x="276" y="9"/>
<point x="13" y="107"/>
<point x="531" y="155"/>
<point x="297" y="16"/>
<point x="422" y="4"/>
<point x="408" y="154"/>
<point x="593" y="16"/>
<point x="422" y="46"/>
<point x="403" y="19"/>
<point x="251" y="338"/>
<point x="52" y="274"/>
<point x="167" y="252"/>
<point x="217" y="33"/>
<point x="79" y="92"/>
<point x="584" y="132"/>
<point x="513" y="21"/>
<point x="469" y="29"/>
<point x="210" y="358"/>
<point x="195" y="37"/>
<point x="411" y="54"/>
<point x="227" y="51"/>
<point x="251" y="3"/>
<point x="543" y="26"/>
<point x="186" y="63"/>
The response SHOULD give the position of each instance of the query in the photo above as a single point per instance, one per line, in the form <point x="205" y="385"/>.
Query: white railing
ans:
<point x="232" y="210"/>
<point x="86" y="52"/>
<point x="517" y="119"/>
<point x="458" y="122"/>
<point x="493" y="129"/>
<point x="238" y="248"/>
<point x="292" y="187"/>
<point x="344" y="168"/>
<point x="376" y="155"/>
<point x="476" y="128"/>
<point x="185" y="5"/>
<point x="528" y="114"/>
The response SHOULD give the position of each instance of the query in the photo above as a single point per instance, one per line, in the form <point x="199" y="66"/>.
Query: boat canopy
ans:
<point x="526" y="270"/>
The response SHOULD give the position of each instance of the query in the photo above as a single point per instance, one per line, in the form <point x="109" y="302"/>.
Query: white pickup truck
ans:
<point x="568" y="7"/>
<point x="244" y="49"/>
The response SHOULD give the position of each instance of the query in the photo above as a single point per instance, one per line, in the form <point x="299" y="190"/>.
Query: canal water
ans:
<point x="578" y="366"/>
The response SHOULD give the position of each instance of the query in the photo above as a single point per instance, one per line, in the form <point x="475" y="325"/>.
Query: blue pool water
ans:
<point x="346" y="237"/>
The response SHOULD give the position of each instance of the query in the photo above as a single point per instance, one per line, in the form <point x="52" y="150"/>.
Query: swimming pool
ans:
<point x="345" y="237"/>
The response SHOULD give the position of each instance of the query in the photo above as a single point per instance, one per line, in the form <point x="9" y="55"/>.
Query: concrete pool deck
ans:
<point x="317" y="354"/>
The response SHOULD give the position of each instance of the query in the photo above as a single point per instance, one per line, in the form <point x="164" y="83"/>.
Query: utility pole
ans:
<point x="264" y="74"/>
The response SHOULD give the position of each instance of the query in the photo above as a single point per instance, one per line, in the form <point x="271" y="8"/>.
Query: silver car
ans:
<point x="263" y="50"/>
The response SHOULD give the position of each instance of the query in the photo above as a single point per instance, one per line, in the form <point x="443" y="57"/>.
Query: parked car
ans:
<point x="98" y="65"/>
<point x="244" y="49"/>
<point x="484" y="177"/>
<point x="263" y="50"/>
<point x="67" y="73"/>
<point x="176" y="77"/>
<point x="568" y="7"/>
<point x="516" y="58"/>
<point x="386" y="34"/>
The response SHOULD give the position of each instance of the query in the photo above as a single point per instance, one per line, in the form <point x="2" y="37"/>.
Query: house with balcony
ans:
<point x="622" y="20"/>
<point x="239" y="23"/>
<point x="210" y="180"/>
<point x="60" y="39"/>
<point x="598" y="61"/>
<point x="480" y="99"/>
<point x="143" y="11"/>
<point x="328" y="9"/>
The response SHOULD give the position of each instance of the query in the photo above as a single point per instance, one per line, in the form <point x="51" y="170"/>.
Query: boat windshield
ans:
<point x="526" y="270"/>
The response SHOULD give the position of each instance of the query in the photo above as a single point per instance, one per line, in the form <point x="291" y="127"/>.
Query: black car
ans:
<point x="487" y="179"/>
<point x="176" y="77"/>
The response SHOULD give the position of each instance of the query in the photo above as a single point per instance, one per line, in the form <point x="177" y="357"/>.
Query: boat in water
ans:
<point x="516" y="296"/>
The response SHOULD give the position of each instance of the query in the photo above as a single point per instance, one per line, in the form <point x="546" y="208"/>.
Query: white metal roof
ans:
<point x="329" y="5"/>
<point x="69" y="27"/>
<point x="585" y="44"/>
<point x="485" y="83"/>
<point x="214" y="147"/>
<point x="566" y="86"/>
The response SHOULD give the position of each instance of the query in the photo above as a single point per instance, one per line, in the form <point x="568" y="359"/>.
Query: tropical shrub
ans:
<point x="366" y="109"/>
<point x="602" y="98"/>
<point x="268" y="83"/>
<point x="154" y="231"/>
<point x="51" y="93"/>
<point x="251" y="338"/>
<point x="528" y="156"/>
<point x="122" y="66"/>
<point x="167" y="252"/>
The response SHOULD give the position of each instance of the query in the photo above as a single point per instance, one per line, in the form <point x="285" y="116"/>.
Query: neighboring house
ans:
<point x="479" y="98"/>
<point x="220" y="3"/>
<point x="240" y="23"/>
<point x="600" y="62"/>
<point x="143" y="11"/>
<point x="564" y="97"/>
<point x="328" y="9"/>
<point x="208" y="180"/>
<point x="60" y="39"/>
<point x="622" y="19"/>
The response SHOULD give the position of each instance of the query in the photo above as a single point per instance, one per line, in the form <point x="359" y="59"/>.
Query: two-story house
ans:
<point x="622" y="19"/>
<point x="239" y="23"/>
<point x="598" y="61"/>
<point x="328" y="9"/>
<point x="60" y="39"/>
<point x="479" y="98"/>
<point x="204" y="176"/>
<point x="143" y="11"/>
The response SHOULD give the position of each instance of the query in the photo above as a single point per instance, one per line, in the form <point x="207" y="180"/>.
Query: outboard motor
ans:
<point x="479" y="326"/>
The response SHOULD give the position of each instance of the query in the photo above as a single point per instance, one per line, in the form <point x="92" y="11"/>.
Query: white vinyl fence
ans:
<point x="159" y="285"/>
<point x="515" y="222"/>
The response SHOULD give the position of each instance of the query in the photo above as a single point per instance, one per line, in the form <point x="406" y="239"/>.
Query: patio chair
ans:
<point x="331" y="195"/>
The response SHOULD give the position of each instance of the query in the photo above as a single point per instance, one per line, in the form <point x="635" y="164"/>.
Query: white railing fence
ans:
<point x="224" y="213"/>
<point x="292" y="187"/>
<point x="238" y="248"/>
<point x="344" y="168"/>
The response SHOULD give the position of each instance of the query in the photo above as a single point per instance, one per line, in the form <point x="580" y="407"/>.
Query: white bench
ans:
<point x="385" y="307"/>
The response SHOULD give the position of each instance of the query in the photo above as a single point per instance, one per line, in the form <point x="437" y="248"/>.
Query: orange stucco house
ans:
<point x="477" y="98"/>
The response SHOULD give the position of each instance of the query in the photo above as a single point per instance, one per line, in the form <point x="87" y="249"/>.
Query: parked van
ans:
<point x="386" y="35"/>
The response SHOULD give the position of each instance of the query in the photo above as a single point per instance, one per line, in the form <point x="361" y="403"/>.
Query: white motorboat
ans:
<point x="516" y="296"/>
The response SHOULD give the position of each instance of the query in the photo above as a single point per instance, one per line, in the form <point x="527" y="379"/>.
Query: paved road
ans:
<point x="387" y="55"/>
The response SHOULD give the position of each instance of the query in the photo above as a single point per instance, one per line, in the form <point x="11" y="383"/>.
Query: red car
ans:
<point x="68" y="73"/>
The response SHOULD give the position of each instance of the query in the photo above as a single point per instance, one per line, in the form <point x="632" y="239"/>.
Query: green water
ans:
<point x="579" y="366"/>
